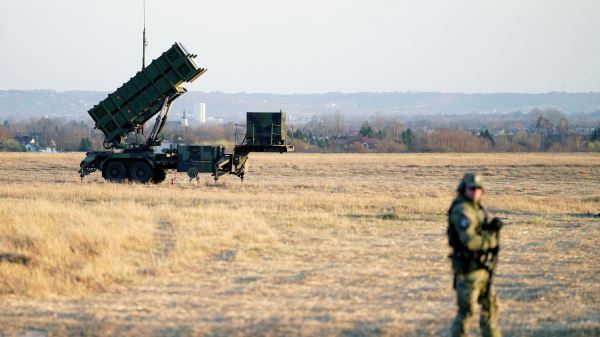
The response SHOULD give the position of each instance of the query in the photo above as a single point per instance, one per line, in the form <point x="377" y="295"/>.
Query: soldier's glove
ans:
<point x="495" y="225"/>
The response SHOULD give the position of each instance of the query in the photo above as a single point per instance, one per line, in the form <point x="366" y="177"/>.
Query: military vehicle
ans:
<point x="132" y="156"/>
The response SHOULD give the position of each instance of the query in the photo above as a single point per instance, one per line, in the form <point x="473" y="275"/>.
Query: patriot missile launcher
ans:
<point x="130" y="155"/>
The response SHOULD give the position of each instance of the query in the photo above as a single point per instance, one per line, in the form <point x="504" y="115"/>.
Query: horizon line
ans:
<point x="336" y="92"/>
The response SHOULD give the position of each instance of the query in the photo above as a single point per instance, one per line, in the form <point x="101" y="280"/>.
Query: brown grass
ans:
<point x="309" y="244"/>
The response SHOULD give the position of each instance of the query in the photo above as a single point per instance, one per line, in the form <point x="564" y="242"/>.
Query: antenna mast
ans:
<point x="144" y="42"/>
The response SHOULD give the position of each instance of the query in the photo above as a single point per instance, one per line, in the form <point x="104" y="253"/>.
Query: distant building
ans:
<point x="202" y="113"/>
<point x="30" y="147"/>
<point x="25" y="139"/>
<point x="184" y="121"/>
<point x="367" y="143"/>
<point x="28" y="142"/>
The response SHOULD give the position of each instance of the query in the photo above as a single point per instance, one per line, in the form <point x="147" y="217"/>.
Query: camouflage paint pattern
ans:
<point x="473" y="261"/>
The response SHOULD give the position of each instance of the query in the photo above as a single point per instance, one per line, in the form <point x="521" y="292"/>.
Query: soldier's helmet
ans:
<point x="470" y="180"/>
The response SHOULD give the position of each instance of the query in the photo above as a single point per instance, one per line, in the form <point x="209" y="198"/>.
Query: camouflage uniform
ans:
<point x="475" y="248"/>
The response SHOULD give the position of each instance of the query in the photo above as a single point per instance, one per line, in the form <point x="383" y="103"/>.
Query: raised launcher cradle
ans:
<point x="130" y="155"/>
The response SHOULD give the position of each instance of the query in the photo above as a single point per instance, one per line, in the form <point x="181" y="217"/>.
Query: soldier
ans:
<point x="474" y="241"/>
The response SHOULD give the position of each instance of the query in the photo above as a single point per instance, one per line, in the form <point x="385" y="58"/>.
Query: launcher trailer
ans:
<point x="132" y="156"/>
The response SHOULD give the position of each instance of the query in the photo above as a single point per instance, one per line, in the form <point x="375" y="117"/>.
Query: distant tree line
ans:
<point x="540" y="130"/>
<point x="68" y="135"/>
<point x="330" y="133"/>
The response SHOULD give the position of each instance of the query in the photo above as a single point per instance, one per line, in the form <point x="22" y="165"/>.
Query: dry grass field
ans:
<point x="308" y="245"/>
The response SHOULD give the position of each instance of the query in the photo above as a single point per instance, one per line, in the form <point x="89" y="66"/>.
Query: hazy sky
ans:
<point x="306" y="46"/>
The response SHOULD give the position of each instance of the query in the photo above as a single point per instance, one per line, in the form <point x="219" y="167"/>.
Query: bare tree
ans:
<point x="563" y="130"/>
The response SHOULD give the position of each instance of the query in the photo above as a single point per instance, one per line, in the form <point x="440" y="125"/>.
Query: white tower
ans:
<point x="202" y="113"/>
<point x="184" y="120"/>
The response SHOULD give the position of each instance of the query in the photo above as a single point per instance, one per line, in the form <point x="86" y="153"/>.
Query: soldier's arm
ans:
<point x="464" y="221"/>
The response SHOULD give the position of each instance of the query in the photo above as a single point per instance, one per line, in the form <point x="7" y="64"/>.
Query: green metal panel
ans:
<point x="201" y="157"/>
<point x="140" y="98"/>
<point x="265" y="128"/>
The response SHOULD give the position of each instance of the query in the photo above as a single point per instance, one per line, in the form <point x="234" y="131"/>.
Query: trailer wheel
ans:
<point x="140" y="172"/>
<point x="159" y="176"/>
<point x="114" y="171"/>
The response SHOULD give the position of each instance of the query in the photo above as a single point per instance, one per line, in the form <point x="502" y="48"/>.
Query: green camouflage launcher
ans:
<point x="265" y="128"/>
<point x="131" y="155"/>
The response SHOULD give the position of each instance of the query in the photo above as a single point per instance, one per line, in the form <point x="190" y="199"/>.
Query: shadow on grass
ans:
<point x="365" y="328"/>
<point x="587" y="215"/>
<point x="553" y="332"/>
<point x="412" y="217"/>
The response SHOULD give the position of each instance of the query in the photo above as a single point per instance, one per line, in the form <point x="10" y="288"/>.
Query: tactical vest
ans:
<point x="463" y="259"/>
<point x="453" y="238"/>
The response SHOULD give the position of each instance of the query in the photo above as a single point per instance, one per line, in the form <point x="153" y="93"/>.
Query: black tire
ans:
<point x="114" y="171"/>
<point x="159" y="176"/>
<point x="140" y="172"/>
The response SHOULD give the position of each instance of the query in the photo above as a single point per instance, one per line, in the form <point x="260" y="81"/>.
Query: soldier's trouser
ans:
<point x="470" y="288"/>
